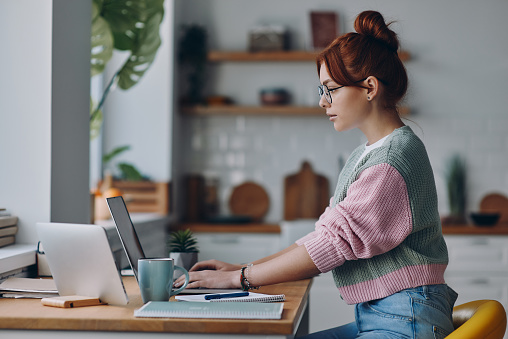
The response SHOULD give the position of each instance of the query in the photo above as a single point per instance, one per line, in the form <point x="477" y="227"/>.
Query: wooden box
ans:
<point x="145" y="196"/>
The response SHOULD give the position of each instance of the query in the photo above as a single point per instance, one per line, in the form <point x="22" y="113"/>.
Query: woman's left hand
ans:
<point x="211" y="279"/>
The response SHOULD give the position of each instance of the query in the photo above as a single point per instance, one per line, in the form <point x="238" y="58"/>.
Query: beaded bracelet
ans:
<point x="244" y="282"/>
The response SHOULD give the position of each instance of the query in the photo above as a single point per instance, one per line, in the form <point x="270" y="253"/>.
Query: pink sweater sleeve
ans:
<point x="311" y="235"/>
<point x="374" y="218"/>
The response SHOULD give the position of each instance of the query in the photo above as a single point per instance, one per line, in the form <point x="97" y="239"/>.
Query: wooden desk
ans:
<point x="22" y="317"/>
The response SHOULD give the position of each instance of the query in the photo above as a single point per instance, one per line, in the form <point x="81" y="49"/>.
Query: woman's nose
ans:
<point x="323" y="102"/>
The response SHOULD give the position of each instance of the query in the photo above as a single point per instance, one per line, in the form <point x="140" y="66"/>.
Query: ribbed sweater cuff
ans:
<point x="323" y="254"/>
<point x="306" y="238"/>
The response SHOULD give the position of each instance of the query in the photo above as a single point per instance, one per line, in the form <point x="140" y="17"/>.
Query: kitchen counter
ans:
<point x="499" y="229"/>
<point x="229" y="228"/>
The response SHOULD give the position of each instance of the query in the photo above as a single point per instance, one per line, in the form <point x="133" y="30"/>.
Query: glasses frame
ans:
<point x="327" y="92"/>
<point x="323" y="89"/>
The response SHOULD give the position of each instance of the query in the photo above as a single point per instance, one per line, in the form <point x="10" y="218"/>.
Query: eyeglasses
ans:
<point x="323" y="89"/>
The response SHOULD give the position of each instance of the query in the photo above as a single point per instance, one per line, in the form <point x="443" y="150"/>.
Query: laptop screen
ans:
<point x="126" y="232"/>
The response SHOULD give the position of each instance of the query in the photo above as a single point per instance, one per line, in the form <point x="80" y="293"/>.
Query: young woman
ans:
<point x="381" y="234"/>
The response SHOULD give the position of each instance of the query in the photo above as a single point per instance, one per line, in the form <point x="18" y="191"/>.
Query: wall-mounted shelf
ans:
<point x="242" y="56"/>
<point x="253" y="110"/>
<point x="283" y="110"/>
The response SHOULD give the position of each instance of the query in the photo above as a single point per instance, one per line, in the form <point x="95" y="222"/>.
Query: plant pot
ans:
<point x="184" y="259"/>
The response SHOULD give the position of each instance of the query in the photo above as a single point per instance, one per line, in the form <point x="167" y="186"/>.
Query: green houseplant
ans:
<point x="456" y="189"/>
<point x="124" y="25"/>
<point x="127" y="171"/>
<point x="183" y="247"/>
<point x="192" y="56"/>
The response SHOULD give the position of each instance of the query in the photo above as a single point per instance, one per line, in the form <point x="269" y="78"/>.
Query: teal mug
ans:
<point x="156" y="278"/>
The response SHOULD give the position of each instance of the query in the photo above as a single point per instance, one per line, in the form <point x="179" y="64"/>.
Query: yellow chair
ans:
<point x="479" y="319"/>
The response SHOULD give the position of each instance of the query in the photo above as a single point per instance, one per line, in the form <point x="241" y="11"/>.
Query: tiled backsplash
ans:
<point x="266" y="149"/>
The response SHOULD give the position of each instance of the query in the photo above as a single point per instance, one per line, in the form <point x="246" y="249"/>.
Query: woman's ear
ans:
<point x="372" y="84"/>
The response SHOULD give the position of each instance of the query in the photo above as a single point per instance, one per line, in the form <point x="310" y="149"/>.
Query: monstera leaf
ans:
<point x="144" y="48"/>
<point x="102" y="40"/>
<point x="125" y="18"/>
<point x="132" y="26"/>
<point x="127" y="25"/>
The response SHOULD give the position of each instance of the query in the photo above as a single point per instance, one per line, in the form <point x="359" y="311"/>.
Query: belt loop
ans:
<point x="425" y="291"/>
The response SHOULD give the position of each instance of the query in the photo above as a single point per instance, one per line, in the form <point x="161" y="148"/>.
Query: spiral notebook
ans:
<point x="171" y="309"/>
<point x="252" y="297"/>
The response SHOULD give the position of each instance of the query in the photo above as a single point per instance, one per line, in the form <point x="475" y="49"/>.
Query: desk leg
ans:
<point x="303" y="328"/>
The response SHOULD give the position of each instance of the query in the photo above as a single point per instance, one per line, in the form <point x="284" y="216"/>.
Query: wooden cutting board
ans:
<point x="249" y="199"/>
<point x="495" y="203"/>
<point x="306" y="194"/>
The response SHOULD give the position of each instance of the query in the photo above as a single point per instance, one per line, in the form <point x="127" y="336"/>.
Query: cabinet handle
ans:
<point x="480" y="281"/>
<point x="225" y="240"/>
<point x="480" y="241"/>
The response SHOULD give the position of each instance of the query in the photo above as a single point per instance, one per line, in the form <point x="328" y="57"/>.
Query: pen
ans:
<point x="226" y="295"/>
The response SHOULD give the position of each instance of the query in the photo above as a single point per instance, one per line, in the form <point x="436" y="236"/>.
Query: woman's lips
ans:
<point x="331" y="116"/>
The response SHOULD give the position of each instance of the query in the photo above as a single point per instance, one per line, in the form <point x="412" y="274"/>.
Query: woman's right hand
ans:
<point x="215" y="265"/>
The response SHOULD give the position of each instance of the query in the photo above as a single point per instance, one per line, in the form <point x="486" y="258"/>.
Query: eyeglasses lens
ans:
<point x="322" y="89"/>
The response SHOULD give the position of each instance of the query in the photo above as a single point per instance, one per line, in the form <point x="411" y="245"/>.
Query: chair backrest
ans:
<point x="479" y="319"/>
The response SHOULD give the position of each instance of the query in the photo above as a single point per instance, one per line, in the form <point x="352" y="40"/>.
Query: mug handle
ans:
<point x="170" y="287"/>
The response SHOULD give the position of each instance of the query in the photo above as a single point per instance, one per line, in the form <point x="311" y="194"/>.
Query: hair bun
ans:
<point x="372" y="23"/>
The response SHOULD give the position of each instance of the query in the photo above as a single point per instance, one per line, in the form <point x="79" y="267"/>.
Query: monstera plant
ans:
<point x="125" y="25"/>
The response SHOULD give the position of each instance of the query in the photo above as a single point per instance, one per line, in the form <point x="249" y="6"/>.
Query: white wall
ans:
<point x="44" y="112"/>
<point x="457" y="93"/>
<point x="142" y="116"/>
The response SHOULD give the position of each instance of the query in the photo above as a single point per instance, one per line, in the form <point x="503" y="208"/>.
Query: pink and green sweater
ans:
<point x="382" y="232"/>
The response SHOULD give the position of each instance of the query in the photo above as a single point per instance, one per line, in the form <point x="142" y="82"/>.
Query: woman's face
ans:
<point x="348" y="109"/>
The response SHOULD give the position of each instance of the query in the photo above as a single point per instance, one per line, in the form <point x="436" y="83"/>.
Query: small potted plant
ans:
<point x="456" y="189"/>
<point x="183" y="248"/>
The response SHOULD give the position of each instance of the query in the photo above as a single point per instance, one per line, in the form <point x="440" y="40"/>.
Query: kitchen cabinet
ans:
<point x="327" y="309"/>
<point x="478" y="267"/>
<point x="281" y="110"/>
<point x="236" y="247"/>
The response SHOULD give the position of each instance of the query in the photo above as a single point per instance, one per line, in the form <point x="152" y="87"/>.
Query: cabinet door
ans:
<point x="236" y="247"/>
<point x="327" y="309"/>
<point x="478" y="268"/>
<point x="477" y="286"/>
<point x="478" y="253"/>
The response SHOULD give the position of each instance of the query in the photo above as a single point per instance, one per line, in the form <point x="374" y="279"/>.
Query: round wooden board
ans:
<point x="495" y="203"/>
<point x="249" y="199"/>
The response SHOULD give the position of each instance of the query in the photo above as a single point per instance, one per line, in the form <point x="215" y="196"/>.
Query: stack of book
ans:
<point x="8" y="228"/>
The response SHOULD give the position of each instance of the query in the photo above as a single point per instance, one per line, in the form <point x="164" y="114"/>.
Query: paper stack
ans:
<point x="28" y="288"/>
<point x="8" y="228"/>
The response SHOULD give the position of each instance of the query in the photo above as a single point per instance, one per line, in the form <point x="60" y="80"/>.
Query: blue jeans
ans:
<point x="423" y="312"/>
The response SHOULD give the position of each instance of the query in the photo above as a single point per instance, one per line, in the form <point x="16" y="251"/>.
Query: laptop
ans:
<point x="81" y="262"/>
<point x="128" y="236"/>
<point x="132" y="246"/>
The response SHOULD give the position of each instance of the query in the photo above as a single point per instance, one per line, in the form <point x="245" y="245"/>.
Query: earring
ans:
<point x="368" y="98"/>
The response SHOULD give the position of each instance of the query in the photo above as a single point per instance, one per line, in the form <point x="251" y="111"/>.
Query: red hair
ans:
<point x="371" y="51"/>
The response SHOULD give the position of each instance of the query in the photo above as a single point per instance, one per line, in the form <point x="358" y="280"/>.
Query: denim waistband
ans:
<point x="441" y="289"/>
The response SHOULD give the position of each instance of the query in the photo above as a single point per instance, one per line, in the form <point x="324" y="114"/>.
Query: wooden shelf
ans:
<point x="295" y="56"/>
<point x="283" y="110"/>
<point x="253" y="110"/>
